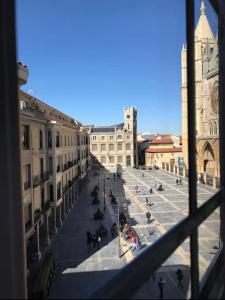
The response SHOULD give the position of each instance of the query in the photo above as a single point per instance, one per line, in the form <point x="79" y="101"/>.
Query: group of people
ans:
<point x="93" y="239"/>
<point x="148" y="201"/>
<point x="158" y="186"/>
<point x="161" y="283"/>
<point x="179" y="181"/>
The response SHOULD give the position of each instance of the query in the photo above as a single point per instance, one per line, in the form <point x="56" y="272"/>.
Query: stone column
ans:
<point x="68" y="201"/>
<point x="37" y="254"/>
<point x="184" y="173"/>
<point x="46" y="240"/>
<point x="59" y="216"/>
<point x="54" y="230"/>
<point x="214" y="182"/>
<point x="64" y="206"/>
<point x="204" y="176"/>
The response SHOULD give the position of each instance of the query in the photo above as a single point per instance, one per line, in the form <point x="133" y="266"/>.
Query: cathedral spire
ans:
<point x="202" y="9"/>
<point x="203" y="30"/>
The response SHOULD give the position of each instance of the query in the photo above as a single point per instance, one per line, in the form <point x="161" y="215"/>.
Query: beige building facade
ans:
<point x="164" y="153"/>
<point x="115" y="146"/>
<point x="55" y="160"/>
<point x="206" y="85"/>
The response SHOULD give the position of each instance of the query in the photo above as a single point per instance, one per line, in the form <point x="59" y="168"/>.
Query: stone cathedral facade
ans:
<point x="206" y="92"/>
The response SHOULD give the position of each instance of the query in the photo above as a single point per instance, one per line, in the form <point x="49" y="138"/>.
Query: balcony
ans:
<point x="46" y="206"/>
<point x="28" y="226"/>
<point x="44" y="177"/>
<point x="58" y="169"/>
<point x="37" y="215"/>
<point x="59" y="195"/>
<point x="27" y="185"/>
<point x="36" y="181"/>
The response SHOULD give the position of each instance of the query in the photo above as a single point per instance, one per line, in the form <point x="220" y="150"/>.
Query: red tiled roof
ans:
<point x="163" y="150"/>
<point x="161" y="141"/>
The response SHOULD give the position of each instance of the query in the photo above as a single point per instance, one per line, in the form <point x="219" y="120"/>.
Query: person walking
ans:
<point x="113" y="230"/>
<point x="146" y="200"/>
<point x="180" y="277"/>
<point x="148" y="216"/>
<point x="161" y="287"/>
<point x="181" y="182"/>
<point x="89" y="238"/>
<point x="94" y="241"/>
<point x="114" y="176"/>
<point x="151" y="191"/>
<point x="98" y="240"/>
<point x="177" y="181"/>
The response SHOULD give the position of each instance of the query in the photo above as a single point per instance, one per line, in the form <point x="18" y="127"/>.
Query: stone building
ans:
<point x="206" y="85"/>
<point x="164" y="152"/>
<point x="115" y="146"/>
<point x="55" y="160"/>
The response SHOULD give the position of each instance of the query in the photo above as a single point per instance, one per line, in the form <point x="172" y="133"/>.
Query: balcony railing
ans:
<point x="27" y="185"/>
<point x="37" y="215"/>
<point x="59" y="195"/>
<point x="44" y="176"/>
<point x="36" y="181"/>
<point x="28" y="226"/>
<point x="68" y="165"/>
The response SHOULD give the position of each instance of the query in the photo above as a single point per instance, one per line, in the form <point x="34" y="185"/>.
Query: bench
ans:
<point x="45" y="278"/>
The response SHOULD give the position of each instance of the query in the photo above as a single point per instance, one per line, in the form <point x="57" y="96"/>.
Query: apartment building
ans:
<point x="115" y="146"/>
<point x="55" y="162"/>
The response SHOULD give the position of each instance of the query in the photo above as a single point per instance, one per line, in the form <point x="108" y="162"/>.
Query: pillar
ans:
<point x="64" y="206"/>
<point x="214" y="182"/>
<point x="37" y="253"/>
<point x="54" y="230"/>
<point x="59" y="216"/>
<point x="46" y="240"/>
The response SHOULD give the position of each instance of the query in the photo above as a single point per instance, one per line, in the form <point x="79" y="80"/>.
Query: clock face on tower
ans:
<point x="214" y="95"/>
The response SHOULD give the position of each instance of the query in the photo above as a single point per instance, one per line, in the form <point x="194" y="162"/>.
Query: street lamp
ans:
<point x="104" y="191"/>
<point x="118" y="222"/>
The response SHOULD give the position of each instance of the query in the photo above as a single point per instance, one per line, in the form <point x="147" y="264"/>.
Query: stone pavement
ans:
<point x="81" y="270"/>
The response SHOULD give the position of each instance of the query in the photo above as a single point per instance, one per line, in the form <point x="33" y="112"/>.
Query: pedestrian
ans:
<point x="114" y="176"/>
<point x="177" y="181"/>
<point x="181" y="181"/>
<point x="161" y="286"/>
<point x="151" y="191"/>
<point x="148" y="216"/>
<point x="143" y="174"/>
<point x="94" y="241"/>
<point x="113" y="230"/>
<point x="146" y="200"/>
<point x="180" y="277"/>
<point x="89" y="238"/>
<point x="98" y="240"/>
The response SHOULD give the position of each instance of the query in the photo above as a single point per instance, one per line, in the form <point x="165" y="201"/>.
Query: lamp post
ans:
<point x="98" y="179"/>
<point x="118" y="222"/>
<point x="104" y="191"/>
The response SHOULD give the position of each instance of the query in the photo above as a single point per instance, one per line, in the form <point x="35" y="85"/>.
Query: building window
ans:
<point x="57" y="139"/>
<point x="103" y="147"/>
<point x="120" y="146"/>
<point x="111" y="137"/>
<point x="27" y="177"/>
<point x="103" y="159"/>
<point x="128" y="126"/>
<point x="215" y="128"/>
<point x="120" y="159"/>
<point x="65" y="141"/>
<point x="119" y="137"/>
<point x="94" y="147"/>
<point x="94" y="137"/>
<point x="40" y="139"/>
<point x="103" y="138"/>
<point x="49" y="139"/>
<point x="25" y="137"/>
<point x="111" y="159"/>
<point x="50" y="166"/>
<point x="111" y="147"/>
<point x="128" y="146"/>
<point x="58" y="190"/>
<point x="210" y="129"/>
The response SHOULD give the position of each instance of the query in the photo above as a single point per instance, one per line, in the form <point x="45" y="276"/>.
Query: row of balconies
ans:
<point x="37" y="180"/>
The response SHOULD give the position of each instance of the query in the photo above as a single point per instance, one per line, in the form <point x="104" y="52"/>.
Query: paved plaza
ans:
<point x="80" y="269"/>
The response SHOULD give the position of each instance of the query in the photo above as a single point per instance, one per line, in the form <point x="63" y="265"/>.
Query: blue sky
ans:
<point x="90" y="58"/>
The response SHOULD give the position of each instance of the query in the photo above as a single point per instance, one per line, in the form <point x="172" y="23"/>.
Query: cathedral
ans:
<point x="206" y="95"/>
